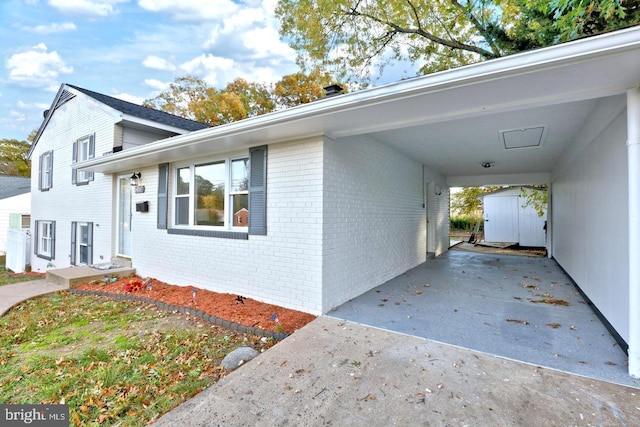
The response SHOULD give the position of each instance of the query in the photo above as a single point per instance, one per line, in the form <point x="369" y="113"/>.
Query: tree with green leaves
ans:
<point x="466" y="201"/>
<point x="353" y="37"/>
<point x="180" y="97"/>
<point x="13" y="158"/>
<point x="536" y="199"/>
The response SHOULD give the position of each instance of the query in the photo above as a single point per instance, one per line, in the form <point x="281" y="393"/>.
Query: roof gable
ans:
<point x="11" y="186"/>
<point x="127" y="108"/>
<point x="139" y="111"/>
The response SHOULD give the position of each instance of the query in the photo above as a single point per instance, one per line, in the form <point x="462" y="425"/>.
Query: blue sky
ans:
<point x="130" y="49"/>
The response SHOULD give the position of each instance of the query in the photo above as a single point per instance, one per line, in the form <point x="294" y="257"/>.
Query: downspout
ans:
<point x="633" y="154"/>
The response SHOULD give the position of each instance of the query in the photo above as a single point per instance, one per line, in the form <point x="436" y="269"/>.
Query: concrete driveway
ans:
<point x="497" y="304"/>
<point x="337" y="373"/>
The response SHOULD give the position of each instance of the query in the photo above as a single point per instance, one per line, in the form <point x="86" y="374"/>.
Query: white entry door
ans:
<point x="501" y="219"/>
<point x="124" y="215"/>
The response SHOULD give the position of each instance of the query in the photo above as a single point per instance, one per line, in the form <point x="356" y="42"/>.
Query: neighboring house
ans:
<point x="508" y="218"/>
<point x="15" y="203"/>
<point x="241" y="218"/>
<point x="349" y="191"/>
<point x="79" y="217"/>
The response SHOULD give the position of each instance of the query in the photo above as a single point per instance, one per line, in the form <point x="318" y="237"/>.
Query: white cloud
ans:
<point x="17" y="116"/>
<point x="192" y="10"/>
<point x="156" y="84"/>
<point x="209" y="68"/>
<point x="129" y="98"/>
<point x="36" y="67"/>
<point x="265" y="42"/>
<point x="92" y="8"/>
<point x="52" y="28"/>
<point x="157" y="63"/>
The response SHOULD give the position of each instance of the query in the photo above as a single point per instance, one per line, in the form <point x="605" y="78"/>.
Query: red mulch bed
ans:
<point x="34" y="274"/>
<point x="245" y="311"/>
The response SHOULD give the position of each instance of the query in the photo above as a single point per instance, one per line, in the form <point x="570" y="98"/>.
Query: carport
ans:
<point x="567" y="116"/>
<point x="506" y="305"/>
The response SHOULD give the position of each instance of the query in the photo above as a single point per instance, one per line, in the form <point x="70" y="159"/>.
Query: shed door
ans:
<point x="501" y="219"/>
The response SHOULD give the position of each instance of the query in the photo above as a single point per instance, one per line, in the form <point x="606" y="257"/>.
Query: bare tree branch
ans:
<point x="453" y="44"/>
<point x="481" y="29"/>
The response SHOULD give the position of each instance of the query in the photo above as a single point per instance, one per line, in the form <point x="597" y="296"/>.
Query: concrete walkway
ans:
<point x="334" y="372"/>
<point x="15" y="293"/>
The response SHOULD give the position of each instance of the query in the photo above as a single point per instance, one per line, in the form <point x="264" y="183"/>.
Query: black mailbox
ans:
<point x="142" y="207"/>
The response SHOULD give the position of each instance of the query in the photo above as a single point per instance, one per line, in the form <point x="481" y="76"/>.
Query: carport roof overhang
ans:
<point x="429" y="117"/>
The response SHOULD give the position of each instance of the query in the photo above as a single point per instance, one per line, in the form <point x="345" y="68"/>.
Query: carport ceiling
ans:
<point x="458" y="147"/>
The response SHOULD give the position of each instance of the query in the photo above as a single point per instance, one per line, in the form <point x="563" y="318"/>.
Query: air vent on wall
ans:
<point x="522" y="137"/>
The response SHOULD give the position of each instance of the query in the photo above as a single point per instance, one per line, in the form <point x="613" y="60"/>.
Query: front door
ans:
<point x="124" y="215"/>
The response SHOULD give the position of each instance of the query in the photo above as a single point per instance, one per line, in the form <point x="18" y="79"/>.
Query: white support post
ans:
<point x="633" y="153"/>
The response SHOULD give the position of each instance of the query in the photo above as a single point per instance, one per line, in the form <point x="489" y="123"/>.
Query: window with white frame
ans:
<point x="212" y="194"/>
<point x="45" y="239"/>
<point x="83" y="149"/>
<point x="45" y="171"/>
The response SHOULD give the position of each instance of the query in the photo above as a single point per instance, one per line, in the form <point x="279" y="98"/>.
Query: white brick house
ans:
<point x="352" y="190"/>
<point x="80" y="217"/>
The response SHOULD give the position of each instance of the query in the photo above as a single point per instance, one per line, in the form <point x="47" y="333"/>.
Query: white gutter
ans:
<point x="523" y="63"/>
<point x="633" y="153"/>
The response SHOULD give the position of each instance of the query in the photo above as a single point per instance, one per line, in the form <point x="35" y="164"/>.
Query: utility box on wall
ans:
<point x="142" y="207"/>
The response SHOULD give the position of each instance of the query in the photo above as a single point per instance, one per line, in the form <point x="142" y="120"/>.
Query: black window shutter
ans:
<point x="74" y="159"/>
<point x="53" y="239"/>
<point x="89" y="243"/>
<point x="258" y="190"/>
<point x="74" y="229"/>
<point x="92" y="154"/>
<point x="163" y="196"/>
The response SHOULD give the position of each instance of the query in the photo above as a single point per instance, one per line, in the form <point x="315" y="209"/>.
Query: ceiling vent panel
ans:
<point x="530" y="137"/>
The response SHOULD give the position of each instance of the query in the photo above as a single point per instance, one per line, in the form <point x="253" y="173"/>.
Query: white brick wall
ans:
<point x="65" y="202"/>
<point x="283" y="268"/>
<point x="375" y="222"/>
<point x="342" y="217"/>
<point x="589" y="218"/>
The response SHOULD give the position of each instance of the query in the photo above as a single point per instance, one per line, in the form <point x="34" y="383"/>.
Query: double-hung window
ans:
<point x="45" y="239"/>
<point x="218" y="198"/>
<point x="45" y="171"/>
<point x="83" y="149"/>
<point x="212" y="194"/>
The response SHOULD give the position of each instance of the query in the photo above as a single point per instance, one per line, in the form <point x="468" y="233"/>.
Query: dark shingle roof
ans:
<point x="143" y="112"/>
<point x="13" y="186"/>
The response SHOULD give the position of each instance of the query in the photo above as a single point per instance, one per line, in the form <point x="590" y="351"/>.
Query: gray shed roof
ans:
<point x="13" y="186"/>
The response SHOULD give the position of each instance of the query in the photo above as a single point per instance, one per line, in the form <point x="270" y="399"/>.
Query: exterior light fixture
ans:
<point x="486" y="165"/>
<point x="135" y="179"/>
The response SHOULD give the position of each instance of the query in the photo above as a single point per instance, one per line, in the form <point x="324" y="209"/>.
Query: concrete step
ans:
<point x="74" y="276"/>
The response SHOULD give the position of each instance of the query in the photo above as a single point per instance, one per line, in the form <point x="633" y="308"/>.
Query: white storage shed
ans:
<point x="507" y="218"/>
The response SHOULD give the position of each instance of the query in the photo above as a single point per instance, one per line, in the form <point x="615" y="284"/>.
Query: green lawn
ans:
<point x="6" y="279"/>
<point x="113" y="362"/>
